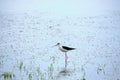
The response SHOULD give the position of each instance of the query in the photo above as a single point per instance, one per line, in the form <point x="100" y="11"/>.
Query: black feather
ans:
<point x="68" y="48"/>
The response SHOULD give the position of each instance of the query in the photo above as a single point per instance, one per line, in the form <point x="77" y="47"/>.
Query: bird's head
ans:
<point x="57" y="44"/>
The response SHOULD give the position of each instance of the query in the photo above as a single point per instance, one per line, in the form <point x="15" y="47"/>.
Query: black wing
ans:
<point x="68" y="48"/>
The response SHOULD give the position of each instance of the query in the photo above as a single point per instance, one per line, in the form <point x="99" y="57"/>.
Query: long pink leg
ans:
<point x="66" y="57"/>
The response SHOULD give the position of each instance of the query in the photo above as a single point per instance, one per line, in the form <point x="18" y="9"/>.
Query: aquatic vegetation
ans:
<point x="51" y="67"/>
<point x="83" y="79"/>
<point x="24" y="68"/>
<point x="1" y="60"/>
<point x="83" y="70"/>
<point x="41" y="75"/>
<point x="53" y="59"/>
<point x="21" y="65"/>
<point x="50" y="71"/>
<point x="100" y="69"/>
<point x="8" y="75"/>
<point x="30" y="76"/>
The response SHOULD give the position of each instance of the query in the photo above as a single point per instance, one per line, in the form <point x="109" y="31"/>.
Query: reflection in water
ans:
<point x="64" y="73"/>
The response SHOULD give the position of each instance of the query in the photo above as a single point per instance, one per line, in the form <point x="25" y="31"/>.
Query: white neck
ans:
<point x="62" y="49"/>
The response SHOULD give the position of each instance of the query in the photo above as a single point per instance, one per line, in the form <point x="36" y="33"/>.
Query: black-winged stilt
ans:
<point x="64" y="49"/>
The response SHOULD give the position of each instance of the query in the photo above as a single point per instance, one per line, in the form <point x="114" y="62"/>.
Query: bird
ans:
<point x="64" y="49"/>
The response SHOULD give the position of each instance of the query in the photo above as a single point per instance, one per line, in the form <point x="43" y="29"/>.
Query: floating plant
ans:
<point x="30" y="76"/>
<point x="8" y="75"/>
<point x="20" y="65"/>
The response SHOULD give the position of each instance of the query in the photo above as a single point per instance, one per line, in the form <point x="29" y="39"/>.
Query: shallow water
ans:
<point x="27" y="52"/>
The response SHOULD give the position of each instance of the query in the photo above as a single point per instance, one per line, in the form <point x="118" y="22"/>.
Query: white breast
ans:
<point x="62" y="49"/>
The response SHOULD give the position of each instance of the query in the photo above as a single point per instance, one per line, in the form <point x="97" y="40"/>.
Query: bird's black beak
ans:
<point x="55" y="45"/>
